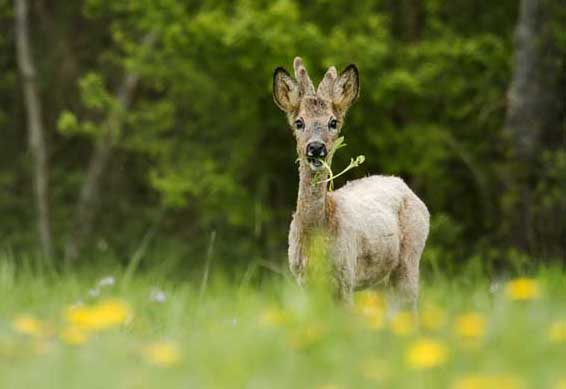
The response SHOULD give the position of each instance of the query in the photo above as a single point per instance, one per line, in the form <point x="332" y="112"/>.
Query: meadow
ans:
<point x="91" y="329"/>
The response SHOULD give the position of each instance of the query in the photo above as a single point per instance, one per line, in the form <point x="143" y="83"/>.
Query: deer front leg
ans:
<point x="344" y="278"/>
<point x="298" y="270"/>
<point x="297" y="261"/>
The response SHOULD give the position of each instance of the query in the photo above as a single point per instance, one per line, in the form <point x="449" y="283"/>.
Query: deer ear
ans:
<point x="285" y="90"/>
<point x="346" y="88"/>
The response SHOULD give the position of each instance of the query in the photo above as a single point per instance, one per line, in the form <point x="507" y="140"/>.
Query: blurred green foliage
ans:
<point x="203" y="148"/>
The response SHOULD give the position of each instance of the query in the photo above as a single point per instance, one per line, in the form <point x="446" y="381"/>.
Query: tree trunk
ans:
<point x="35" y="126"/>
<point x="532" y="109"/>
<point x="407" y="19"/>
<point x="89" y="197"/>
<point x="414" y="19"/>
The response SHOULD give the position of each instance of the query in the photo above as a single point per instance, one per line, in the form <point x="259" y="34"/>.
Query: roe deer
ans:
<point x="376" y="226"/>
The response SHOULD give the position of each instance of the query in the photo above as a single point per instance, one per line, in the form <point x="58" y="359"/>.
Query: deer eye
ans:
<point x="299" y="124"/>
<point x="333" y="124"/>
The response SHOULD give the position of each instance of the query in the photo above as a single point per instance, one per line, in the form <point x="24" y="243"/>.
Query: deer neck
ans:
<point x="311" y="200"/>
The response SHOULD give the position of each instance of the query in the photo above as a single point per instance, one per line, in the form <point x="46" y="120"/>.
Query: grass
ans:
<point x="157" y="333"/>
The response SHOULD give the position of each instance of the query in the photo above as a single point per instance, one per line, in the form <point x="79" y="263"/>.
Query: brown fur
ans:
<point x="331" y="217"/>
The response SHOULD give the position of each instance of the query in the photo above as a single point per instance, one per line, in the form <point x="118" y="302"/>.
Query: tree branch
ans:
<point x="90" y="193"/>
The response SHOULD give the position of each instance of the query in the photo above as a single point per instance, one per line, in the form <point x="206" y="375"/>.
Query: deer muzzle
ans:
<point x="315" y="152"/>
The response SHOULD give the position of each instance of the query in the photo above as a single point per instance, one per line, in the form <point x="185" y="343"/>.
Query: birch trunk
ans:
<point x="36" y="132"/>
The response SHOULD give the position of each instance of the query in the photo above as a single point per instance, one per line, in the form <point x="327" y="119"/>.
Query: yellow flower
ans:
<point x="432" y="318"/>
<point x="28" y="325"/>
<point x="106" y="314"/>
<point x="113" y="312"/>
<point x="274" y="317"/>
<point x="478" y="381"/>
<point x="74" y="336"/>
<point x="523" y="289"/>
<point x="426" y="353"/>
<point x="470" y="326"/>
<point x="371" y="306"/>
<point x="403" y="323"/>
<point x="162" y="354"/>
<point x="557" y="332"/>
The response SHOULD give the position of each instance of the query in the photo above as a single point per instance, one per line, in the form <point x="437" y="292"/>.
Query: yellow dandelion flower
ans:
<point x="162" y="354"/>
<point x="426" y="353"/>
<point x="432" y="318"/>
<point x="557" y="332"/>
<point x="371" y="306"/>
<point x="274" y="317"/>
<point x="479" y="381"/>
<point x="375" y="370"/>
<point x="561" y="384"/>
<point x="113" y="312"/>
<point x="28" y="325"/>
<point x="523" y="289"/>
<point x="107" y="314"/>
<point x="74" y="336"/>
<point x="470" y="326"/>
<point x="80" y="316"/>
<point x="403" y="323"/>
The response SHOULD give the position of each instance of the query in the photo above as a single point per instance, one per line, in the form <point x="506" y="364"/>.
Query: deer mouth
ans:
<point x="315" y="163"/>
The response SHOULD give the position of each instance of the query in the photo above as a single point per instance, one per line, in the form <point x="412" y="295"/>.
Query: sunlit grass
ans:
<point x="56" y="333"/>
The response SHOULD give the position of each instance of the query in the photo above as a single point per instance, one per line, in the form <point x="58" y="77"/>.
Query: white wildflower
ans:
<point x="106" y="281"/>
<point x="157" y="295"/>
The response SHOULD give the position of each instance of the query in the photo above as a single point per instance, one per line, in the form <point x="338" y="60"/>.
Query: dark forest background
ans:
<point x="141" y="130"/>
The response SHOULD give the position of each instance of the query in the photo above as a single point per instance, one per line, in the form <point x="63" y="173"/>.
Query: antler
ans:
<point x="305" y="84"/>
<point x="326" y="86"/>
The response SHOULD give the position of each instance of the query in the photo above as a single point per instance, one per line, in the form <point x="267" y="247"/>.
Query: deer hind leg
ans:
<point x="405" y="282"/>
<point x="413" y="220"/>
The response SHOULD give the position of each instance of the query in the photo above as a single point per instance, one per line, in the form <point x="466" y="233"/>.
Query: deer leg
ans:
<point x="298" y="271"/>
<point x="405" y="282"/>
<point x="344" y="282"/>
<point x="346" y="293"/>
<point x="414" y="229"/>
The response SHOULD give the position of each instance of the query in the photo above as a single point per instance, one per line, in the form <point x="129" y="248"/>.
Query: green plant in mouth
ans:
<point x="354" y="162"/>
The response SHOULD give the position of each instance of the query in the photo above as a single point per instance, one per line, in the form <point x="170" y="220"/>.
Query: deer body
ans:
<point x="376" y="226"/>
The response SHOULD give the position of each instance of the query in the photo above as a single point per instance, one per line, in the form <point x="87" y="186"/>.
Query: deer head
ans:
<point x="315" y="117"/>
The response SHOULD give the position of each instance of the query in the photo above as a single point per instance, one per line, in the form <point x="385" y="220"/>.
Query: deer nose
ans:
<point x="316" y="150"/>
